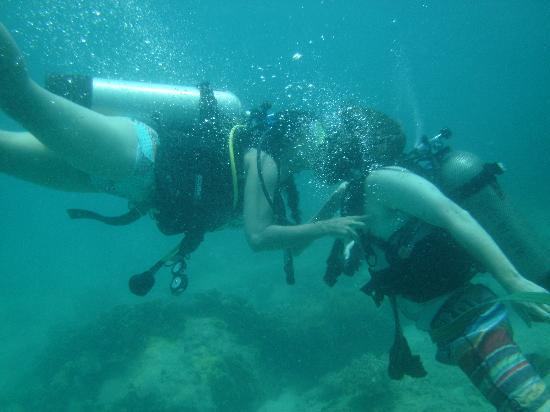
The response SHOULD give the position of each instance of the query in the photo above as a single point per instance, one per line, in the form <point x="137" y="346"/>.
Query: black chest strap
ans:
<point x="279" y="211"/>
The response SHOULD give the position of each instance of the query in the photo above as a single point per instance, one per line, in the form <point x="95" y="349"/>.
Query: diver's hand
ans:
<point x="529" y="311"/>
<point x="327" y="211"/>
<point x="345" y="227"/>
<point x="13" y="71"/>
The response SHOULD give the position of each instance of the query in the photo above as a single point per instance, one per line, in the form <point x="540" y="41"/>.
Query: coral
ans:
<point x="154" y="356"/>
<point x="362" y="385"/>
<point x="211" y="353"/>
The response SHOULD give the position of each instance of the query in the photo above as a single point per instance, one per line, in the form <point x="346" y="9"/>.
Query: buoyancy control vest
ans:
<point x="193" y="190"/>
<point x="423" y="262"/>
<point x="192" y="165"/>
<point x="193" y="175"/>
<point x="419" y="261"/>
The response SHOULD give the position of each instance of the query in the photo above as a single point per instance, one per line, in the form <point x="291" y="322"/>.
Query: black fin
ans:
<point x="403" y="362"/>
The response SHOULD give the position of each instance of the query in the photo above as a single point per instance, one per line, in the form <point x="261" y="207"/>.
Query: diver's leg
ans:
<point x="488" y="355"/>
<point x="96" y="144"/>
<point x="24" y="157"/>
<point x="496" y="366"/>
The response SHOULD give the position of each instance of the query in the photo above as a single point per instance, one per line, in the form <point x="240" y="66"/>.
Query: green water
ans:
<point x="74" y="339"/>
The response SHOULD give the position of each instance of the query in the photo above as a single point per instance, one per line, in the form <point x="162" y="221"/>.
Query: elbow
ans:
<point x="256" y="242"/>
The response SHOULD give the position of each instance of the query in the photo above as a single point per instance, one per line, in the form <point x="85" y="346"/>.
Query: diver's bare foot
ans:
<point x="13" y="72"/>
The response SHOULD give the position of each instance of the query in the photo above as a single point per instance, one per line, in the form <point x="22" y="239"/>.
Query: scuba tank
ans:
<point x="157" y="105"/>
<point x="465" y="176"/>
<point x="473" y="184"/>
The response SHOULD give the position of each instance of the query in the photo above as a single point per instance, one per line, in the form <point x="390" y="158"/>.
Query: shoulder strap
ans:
<point x="262" y="183"/>
<point x="280" y="216"/>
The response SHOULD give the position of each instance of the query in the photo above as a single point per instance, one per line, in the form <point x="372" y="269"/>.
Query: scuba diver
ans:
<point x="422" y="251"/>
<point x="192" y="177"/>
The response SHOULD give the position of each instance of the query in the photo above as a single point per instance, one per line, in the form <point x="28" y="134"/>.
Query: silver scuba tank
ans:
<point x="496" y="214"/>
<point x="158" y="105"/>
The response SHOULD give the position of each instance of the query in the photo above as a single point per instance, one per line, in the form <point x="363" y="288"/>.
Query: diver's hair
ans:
<point x="366" y="139"/>
<point x="373" y="127"/>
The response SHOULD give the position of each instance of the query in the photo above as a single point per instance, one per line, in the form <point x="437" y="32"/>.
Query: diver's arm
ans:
<point x="262" y="232"/>
<point x="327" y="211"/>
<point x="415" y="196"/>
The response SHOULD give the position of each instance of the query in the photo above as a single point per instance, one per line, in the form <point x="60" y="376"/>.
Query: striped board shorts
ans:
<point x="487" y="354"/>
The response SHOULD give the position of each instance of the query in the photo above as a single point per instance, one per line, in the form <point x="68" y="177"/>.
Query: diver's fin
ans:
<point x="403" y="362"/>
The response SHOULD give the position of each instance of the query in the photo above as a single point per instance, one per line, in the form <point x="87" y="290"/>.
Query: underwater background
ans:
<point x="73" y="338"/>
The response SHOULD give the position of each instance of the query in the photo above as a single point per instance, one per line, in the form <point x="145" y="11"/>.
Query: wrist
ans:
<point x="511" y="281"/>
<point x="322" y="228"/>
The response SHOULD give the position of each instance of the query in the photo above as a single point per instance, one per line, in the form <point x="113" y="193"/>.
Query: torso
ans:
<point x="425" y="259"/>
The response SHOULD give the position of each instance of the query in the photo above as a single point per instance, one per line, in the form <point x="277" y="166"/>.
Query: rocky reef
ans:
<point x="212" y="353"/>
